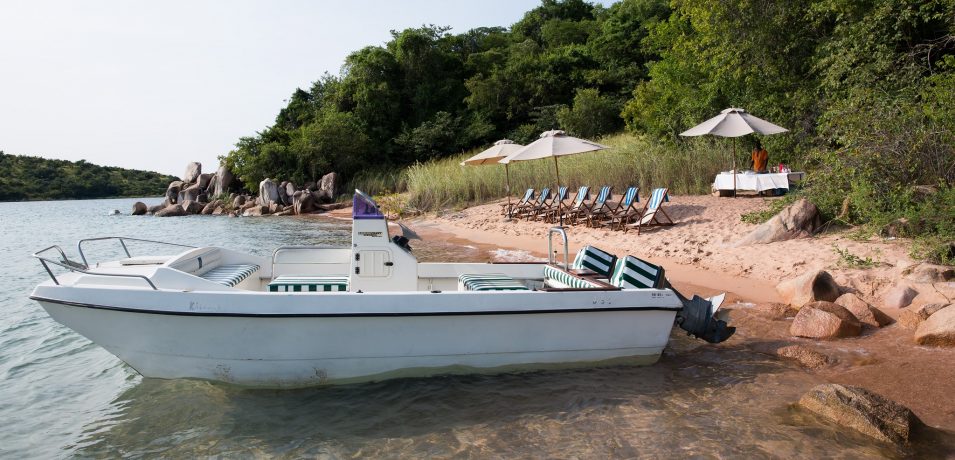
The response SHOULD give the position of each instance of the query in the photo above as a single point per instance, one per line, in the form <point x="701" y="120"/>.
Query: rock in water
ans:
<point x="911" y="318"/>
<point x="171" y="211"/>
<point x="775" y="310"/>
<point x="172" y="193"/>
<point x="865" y="313"/>
<point x="900" y="296"/>
<point x="798" y="220"/>
<point x="810" y="287"/>
<point x="862" y="410"/>
<point x="268" y="192"/>
<point x="191" y="207"/>
<point x="193" y="170"/>
<point x="223" y="180"/>
<point x="939" y="329"/>
<point x="825" y="320"/>
<point x="156" y="208"/>
<point x="256" y="210"/>
<point x="209" y="208"/>
<point x="139" y="208"/>
<point x="804" y="356"/>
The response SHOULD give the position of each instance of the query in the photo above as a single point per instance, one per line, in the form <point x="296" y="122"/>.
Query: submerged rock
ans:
<point x="825" y="320"/>
<point x="139" y="208"/>
<point x="805" y="356"/>
<point x="798" y="220"/>
<point x="939" y="329"/>
<point x="810" y="287"/>
<point x="862" y="410"/>
<point x="775" y="310"/>
<point x="171" y="211"/>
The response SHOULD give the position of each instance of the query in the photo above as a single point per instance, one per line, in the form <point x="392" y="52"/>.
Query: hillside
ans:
<point x="34" y="178"/>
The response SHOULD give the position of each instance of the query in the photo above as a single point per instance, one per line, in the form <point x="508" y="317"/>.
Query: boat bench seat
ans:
<point x="489" y="282"/>
<point x="229" y="275"/>
<point x="297" y="283"/>
<point x="558" y="278"/>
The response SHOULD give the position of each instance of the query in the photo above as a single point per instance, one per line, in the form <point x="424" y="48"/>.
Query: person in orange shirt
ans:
<point x="760" y="158"/>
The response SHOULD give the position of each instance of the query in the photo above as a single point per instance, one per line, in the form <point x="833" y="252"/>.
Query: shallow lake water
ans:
<point x="61" y="396"/>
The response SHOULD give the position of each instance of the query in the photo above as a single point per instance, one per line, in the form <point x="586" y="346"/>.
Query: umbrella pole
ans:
<point x="735" y="172"/>
<point x="559" y="202"/>
<point x="507" y="189"/>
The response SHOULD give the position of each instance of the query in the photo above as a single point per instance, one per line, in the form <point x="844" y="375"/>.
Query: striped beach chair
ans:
<point x="594" y="259"/>
<point x="634" y="273"/>
<point x="626" y="205"/>
<point x="653" y="212"/>
<point x="551" y="206"/>
<point x="599" y="203"/>
<point x="508" y="208"/>
<point x="542" y="200"/>
<point x="583" y="194"/>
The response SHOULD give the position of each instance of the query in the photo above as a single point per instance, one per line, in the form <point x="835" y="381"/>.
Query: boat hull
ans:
<point x="312" y="348"/>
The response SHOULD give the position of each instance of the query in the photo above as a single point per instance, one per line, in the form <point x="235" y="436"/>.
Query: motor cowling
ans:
<point x="698" y="318"/>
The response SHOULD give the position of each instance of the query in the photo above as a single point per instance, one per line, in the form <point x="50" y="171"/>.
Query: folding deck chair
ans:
<point x="653" y="211"/>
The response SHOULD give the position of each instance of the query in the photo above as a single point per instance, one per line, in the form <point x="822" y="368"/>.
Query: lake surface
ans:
<point x="62" y="396"/>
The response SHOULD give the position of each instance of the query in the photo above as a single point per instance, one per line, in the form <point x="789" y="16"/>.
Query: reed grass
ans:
<point x="686" y="169"/>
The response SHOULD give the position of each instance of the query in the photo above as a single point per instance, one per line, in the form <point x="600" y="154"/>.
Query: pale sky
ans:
<point x="154" y="85"/>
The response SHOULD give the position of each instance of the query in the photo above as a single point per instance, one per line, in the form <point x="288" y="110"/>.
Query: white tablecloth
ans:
<point x="756" y="182"/>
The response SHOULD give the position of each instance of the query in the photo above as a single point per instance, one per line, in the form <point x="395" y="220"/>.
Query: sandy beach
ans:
<point x="700" y="257"/>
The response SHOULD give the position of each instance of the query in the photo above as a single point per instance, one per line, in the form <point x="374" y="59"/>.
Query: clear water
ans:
<point x="61" y="396"/>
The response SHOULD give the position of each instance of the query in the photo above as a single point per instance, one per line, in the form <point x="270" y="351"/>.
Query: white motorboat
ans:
<point x="318" y="315"/>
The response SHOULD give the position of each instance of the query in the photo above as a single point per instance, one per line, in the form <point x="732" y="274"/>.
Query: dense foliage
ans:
<point x="35" y="178"/>
<point x="866" y="87"/>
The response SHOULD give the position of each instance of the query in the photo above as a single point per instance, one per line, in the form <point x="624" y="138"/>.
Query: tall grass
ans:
<point x="631" y="160"/>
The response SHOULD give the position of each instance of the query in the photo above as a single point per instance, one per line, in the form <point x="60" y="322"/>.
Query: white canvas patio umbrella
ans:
<point x="734" y="123"/>
<point x="553" y="144"/>
<point x="493" y="155"/>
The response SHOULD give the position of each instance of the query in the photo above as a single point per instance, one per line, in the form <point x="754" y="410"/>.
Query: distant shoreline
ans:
<point x="159" y="196"/>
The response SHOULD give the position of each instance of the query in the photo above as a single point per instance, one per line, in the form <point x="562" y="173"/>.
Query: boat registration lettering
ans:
<point x="602" y="302"/>
<point x="195" y="306"/>
<point x="371" y="234"/>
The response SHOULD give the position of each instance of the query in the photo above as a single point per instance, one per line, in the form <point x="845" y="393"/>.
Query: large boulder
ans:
<point x="911" y="318"/>
<point x="256" y="210"/>
<point x="276" y="208"/>
<point x="268" y="192"/>
<point x="193" y="170"/>
<point x="899" y="296"/>
<point x="284" y="198"/>
<point x="862" y="410"/>
<point x="798" y="220"/>
<point x="328" y="187"/>
<point x="825" y="320"/>
<point x="156" y="208"/>
<point x="210" y="207"/>
<point x="204" y="180"/>
<point x="139" y="208"/>
<point x="172" y="192"/>
<point x="190" y="193"/>
<point x="303" y="202"/>
<point x="805" y="356"/>
<point x="238" y="201"/>
<point x="939" y="329"/>
<point x="223" y="180"/>
<point x="171" y="211"/>
<point x="865" y="313"/>
<point x="191" y="207"/>
<point x="810" y="287"/>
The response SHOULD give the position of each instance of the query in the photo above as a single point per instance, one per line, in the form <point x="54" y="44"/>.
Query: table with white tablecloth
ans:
<point x="756" y="182"/>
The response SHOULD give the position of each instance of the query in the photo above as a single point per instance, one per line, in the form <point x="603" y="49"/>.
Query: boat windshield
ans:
<point x="363" y="207"/>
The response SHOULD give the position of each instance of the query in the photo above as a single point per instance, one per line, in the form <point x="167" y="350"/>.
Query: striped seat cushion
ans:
<point x="595" y="259"/>
<point x="634" y="273"/>
<point x="489" y="282"/>
<point x="230" y="275"/>
<point x="557" y="277"/>
<point x="296" y="283"/>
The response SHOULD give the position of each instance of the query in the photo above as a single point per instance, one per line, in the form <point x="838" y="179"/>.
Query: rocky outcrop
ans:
<point x="825" y="320"/>
<point x="284" y="198"/>
<point x="798" y="220"/>
<point x="810" y="287"/>
<point x="222" y="182"/>
<point x="210" y="207"/>
<point x="191" y="207"/>
<point x="911" y="318"/>
<point x="289" y="192"/>
<point x="268" y="192"/>
<point x="899" y="296"/>
<point x="328" y="188"/>
<point x="303" y="202"/>
<point x="190" y="193"/>
<point x="193" y="170"/>
<point x="939" y="329"/>
<point x="204" y="180"/>
<point x="155" y="209"/>
<point x="256" y="210"/>
<point x="238" y="202"/>
<point x="805" y="356"/>
<point x="172" y="192"/>
<point x="171" y="211"/>
<point x="863" y="411"/>
<point x="139" y="208"/>
<point x="865" y="313"/>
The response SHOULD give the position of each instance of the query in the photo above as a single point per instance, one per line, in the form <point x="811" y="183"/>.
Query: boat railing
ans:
<point x="74" y="266"/>
<point x="122" y="241"/>
<point x="550" y="246"/>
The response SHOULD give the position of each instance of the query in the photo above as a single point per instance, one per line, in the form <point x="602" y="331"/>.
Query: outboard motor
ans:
<point x="698" y="318"/>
